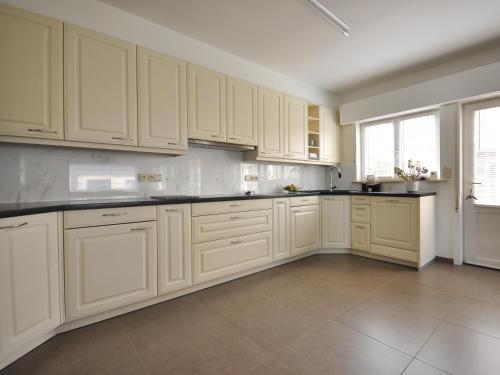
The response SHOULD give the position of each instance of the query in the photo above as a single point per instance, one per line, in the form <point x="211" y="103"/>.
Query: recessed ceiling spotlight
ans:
<point x="329" y="16"/>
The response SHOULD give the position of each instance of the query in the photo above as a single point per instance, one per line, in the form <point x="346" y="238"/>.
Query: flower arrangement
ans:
<point x="415" y="171"/>
<point x="292" y="188"/>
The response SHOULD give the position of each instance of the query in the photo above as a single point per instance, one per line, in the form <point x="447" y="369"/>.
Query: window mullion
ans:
<point x="397" y="143"/>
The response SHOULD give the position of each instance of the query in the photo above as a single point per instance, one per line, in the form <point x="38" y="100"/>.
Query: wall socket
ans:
<point x="150" y="177"/>
<point x="249" y="177"/>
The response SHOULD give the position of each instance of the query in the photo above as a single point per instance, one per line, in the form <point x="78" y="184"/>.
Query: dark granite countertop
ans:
<point x="29" y="208"/>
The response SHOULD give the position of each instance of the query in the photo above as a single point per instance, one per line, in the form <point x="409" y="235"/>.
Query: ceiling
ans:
<point x="389" y="38"/>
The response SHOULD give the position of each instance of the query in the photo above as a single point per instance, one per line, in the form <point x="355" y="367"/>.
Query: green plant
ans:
<point x="415" y="171"/>
<point x="292" y="188"/>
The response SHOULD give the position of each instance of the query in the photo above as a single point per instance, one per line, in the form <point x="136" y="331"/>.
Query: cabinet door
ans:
<point x="241" y="112"/>
<point x="329" y="136"/>
<point x="100" y="87"/>
<point x="162" y="100"/>
<point x="271" y="123"/>
<point x="395" y="222"/>
<point x="281" y="228"/>
<point x="206" y="104"/>
<point x="360" y="236"/>
<point x="29" y="281"/>
<point x="335" y="222"/>
<point x="295" y="141"/>
<point x="304" y="229"/>
<point x="108" y="267"/>
<point x="31" y="74"/>
<point x="174" y="247"/>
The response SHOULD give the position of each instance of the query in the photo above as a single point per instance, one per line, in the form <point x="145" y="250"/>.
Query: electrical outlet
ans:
<point x="249" y="177"/>
<point x="150" y="177"/>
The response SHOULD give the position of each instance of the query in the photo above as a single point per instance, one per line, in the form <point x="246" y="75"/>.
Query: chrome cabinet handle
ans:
<point x="115" y="214"/>
<point x="173" y="210"/>
<point x="173" y="143"/>
<point x="235" y="217"/>
<point x="43" y="131"/>
<point x="121" y="138"/>
<point x="14" y="226"/>
<point x="235" y="242"/>
<point x="235" y="205"/>
<point x="392" y="200"/>
<point x="359" y="227"/>
<point x="138" y="229"/>
<point x="233" y="138"/>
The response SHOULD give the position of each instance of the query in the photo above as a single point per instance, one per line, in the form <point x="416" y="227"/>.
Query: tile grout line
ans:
<point x="134" y="348"/>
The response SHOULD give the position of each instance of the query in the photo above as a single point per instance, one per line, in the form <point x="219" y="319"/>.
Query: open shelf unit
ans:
<point x="313" y="132"/>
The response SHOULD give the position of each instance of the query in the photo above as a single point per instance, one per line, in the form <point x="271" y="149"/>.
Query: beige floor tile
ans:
<point x="334" y="349"/>
<point x="272" y="367"/>
<point x="461" y="351"/>
<point x="417" y="367"/>
<point x="398" y="326"/>
<point x="476" y="315"/>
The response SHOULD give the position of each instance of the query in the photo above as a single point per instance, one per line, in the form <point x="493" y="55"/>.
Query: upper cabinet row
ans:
<point x="118" y="94"/>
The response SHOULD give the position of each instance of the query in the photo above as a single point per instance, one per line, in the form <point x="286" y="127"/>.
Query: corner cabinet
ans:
<point x="29" y="283"/>
<point x="241" y="112"/>
<point x="271" y="123"/>
<point x="295" y="140"/>
<point x="335" y="222"/>
<point x="31" y="76"/>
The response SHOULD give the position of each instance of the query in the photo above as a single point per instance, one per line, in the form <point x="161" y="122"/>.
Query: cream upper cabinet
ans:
<point x="31" y="74"/>
<point x="241" y="112"/>
<point x="394" y="222"/>
<point x="162" y="100"/>
<point x="335" y="222"/>
<point x="271" y="123"/>
<point x="174" y="247"/>
<point x="281" y="228"/>
<point x="206" y="104"/>
<point x="295" y="141"/>
<point x="304" y="229"/>
<point x="329" y="136"/>
<point x="100" y="87"/>
<point x="29" y="282"/>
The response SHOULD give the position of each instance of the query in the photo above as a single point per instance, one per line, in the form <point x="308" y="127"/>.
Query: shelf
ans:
<point x="313" y="147"/>
<point x="312" y="118"/>
<point x="315" y="133"/>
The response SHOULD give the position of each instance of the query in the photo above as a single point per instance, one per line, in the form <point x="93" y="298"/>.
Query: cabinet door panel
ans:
<point x="271" y="123"/>
<point x="31" y="95"/>
<point x="295" y="128"/>
<point x="304" y="229"/>
<point x="241" y="112"/>
<point x="206" y="104"/>
<point x="329" y="136"/>
<point x="335" y="222"/>
<point x="360" y="236"/>
<point x="100" y="87"/>
<point x="281" y="228"/>
<point x="174" y="248"/>
<point x="162" y="100"/>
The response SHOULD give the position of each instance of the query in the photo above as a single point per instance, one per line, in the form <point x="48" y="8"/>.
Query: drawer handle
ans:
<point x="232" y="138"/>
<point x="235" y="242"/>
<point x="173" y="210"/>
<point x="359" y="227"/>
<point x="173" y="143"/>
<point x="215" y="136"/>
<point x="392" y="200"/>
<point x="236" y="204"/>
<point x="121" y="138"/>
<point x="14" y="226"/>
<point x="138" y="229"/>
<point x="115" y="214"/>
<point x="235" y="217"/>
<point x="43" y="131"/>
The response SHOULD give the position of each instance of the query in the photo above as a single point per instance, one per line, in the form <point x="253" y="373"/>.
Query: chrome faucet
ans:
<point x="339" y="174"/>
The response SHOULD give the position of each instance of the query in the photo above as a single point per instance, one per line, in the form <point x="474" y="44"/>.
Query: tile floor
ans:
<point x="326" y="314"/>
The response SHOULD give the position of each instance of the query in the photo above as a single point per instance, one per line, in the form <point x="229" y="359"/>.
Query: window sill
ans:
<point x="389" y="180"/>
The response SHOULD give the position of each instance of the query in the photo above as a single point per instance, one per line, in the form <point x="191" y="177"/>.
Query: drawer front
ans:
<point x="106" y="216"/>
<point x="225" y="207"/>
<point x="392" y="252"/>
<point x="360" y="236"/>
<point x="360" y="213"/>
<point x="215" y="259"/>
<point x="217" y="227"/>
<point x="360" y="199"/>
<point x="304" y="201"/>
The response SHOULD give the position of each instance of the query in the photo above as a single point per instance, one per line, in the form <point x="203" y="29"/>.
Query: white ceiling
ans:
<point x="389" y="38"/>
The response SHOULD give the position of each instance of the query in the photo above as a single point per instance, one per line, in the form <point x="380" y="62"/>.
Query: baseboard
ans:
<point x="443" y="259"/>
<point x="333" y="251"/>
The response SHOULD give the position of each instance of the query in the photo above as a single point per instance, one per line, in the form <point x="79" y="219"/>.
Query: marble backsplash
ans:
<point x="39" y="173"/>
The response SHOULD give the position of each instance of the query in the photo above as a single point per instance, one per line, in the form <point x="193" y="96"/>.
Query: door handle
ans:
<point x="138" y="229"/>
<point x="43" y="131"/>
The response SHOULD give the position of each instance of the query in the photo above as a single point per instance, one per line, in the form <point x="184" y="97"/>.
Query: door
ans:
<point x="241" y="112"/>
<point x="174" y="247"/>
<point x="109" y="266"/>
<point x="31" y="76"/>
<point x="281" y="228"/>
<point x="295" y="141"/>
<point x="100" y="87"/>
<point x="29" y="281"/>
<point x="329" y="136"/>
<point x="481" y="183"/>
<point x="206" y="104"/>
<point x="271" y="123"/>
<point x="162" y="100"/>
<point x="304" y="229"/>
<point x="335" y="222"/>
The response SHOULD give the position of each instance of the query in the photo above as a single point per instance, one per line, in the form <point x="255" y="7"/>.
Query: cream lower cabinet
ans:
<point x="335" y="222"/>
<point x="281" y="228"/>
<point x="360" y="236"/>
<point x="29" y="283"/>
<point x="360" y="223"/>
<point x="304" y="229"/>
<point x="174" y="248"/>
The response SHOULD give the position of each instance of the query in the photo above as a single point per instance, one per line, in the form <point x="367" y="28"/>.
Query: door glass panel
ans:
<point x="487" y="156"/>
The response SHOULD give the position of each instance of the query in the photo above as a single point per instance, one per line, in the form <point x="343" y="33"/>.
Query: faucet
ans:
<point x="339" y="174"/>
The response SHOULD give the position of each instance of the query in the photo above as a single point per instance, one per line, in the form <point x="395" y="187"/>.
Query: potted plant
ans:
<point x="412" y="176"/>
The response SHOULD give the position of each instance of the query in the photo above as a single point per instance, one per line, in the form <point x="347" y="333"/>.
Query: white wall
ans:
<point x="112" y="21"/>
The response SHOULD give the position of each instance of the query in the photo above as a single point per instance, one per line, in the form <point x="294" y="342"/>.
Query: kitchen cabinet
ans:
<point x="360" y="236"/>
<point x="31" y="89"/>
<point x="281" y="228"/>
<point x="162" y="100"/>
<point x="296" y="131"/>
<point x="174" y="248"/>
<point x="29" y="283"/>
<point x="206" y="104"/>
<point x="241" y="112"/>
<point x="329" y="136"/>
<point x="304" y="229"/>
<point x="100" y="88"/>
<point x="271" y="123"/>
<point x="335" y="222"/>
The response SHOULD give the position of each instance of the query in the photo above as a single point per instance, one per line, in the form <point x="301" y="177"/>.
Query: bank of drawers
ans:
<point x="360" y="223"/>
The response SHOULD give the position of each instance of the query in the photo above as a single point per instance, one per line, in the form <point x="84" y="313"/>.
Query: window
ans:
<point x="393" y="142"/>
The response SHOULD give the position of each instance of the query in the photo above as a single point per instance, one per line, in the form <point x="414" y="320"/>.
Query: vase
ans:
<point x="411" y="186"/>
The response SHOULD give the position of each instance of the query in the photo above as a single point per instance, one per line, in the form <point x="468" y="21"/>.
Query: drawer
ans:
<point x="392" y="252"/>
<point x="360" y="213"/>
<point x="215" y="259"/>
<point x="360" y="199"/>
<point x="225" y="207"/>
<point x="304" y="201"/>
<point x="106" y="216"/>
<point x="360" y="236"/>
<point x="216" y="227"/>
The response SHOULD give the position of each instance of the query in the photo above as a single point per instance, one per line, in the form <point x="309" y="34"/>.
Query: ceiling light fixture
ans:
<point x="329" y="16"/>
